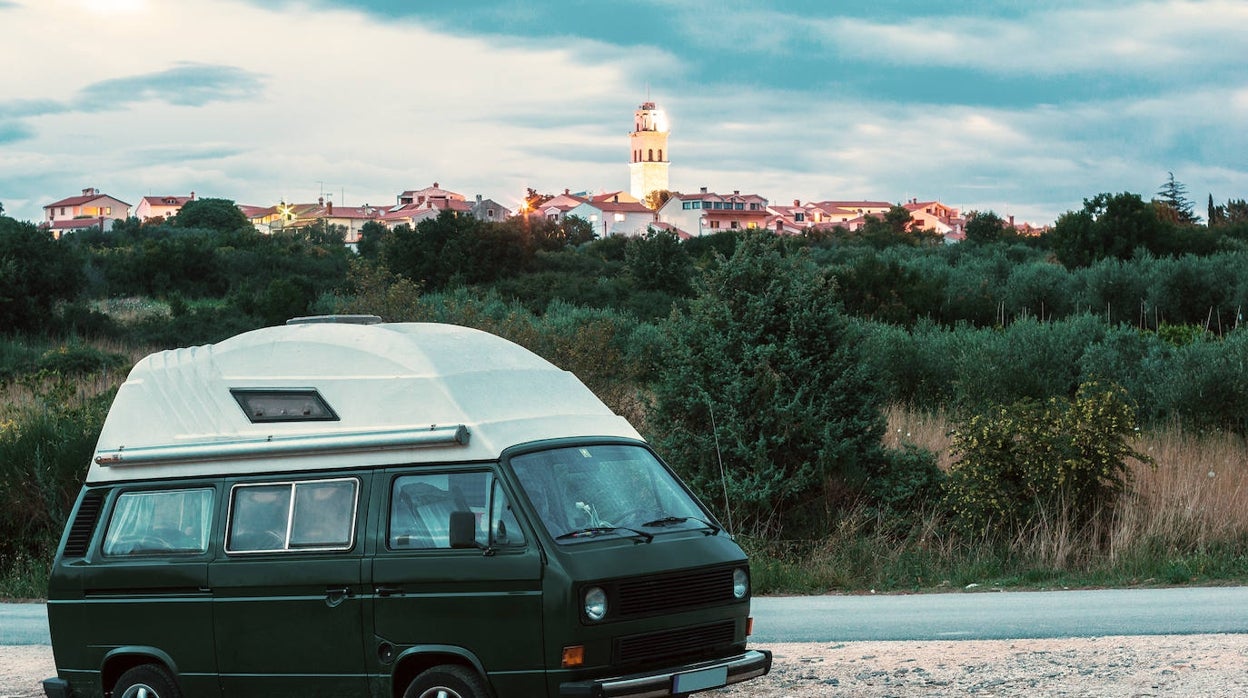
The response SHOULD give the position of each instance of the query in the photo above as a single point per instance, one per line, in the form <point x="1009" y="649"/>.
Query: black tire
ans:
<point x="147" y="681"/>
<point x="447" y="681"/>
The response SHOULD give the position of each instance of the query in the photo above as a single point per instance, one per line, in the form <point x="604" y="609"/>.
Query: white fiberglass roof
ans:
<point x="381" y="380"/>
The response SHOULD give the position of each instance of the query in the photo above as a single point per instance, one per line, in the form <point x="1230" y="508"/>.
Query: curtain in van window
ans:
<point x="160" y="522"/>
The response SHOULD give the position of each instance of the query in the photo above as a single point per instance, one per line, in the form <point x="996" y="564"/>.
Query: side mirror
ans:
<point x="463" y="529"/>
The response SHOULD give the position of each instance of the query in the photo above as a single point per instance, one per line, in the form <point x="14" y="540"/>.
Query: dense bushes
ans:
<point x="36" y="273"/>
<point x="1201" y="381"/>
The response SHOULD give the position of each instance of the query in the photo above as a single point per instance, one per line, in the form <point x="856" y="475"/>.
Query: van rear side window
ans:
<point x="307" y="515"/>
<point x="160" y="522"/>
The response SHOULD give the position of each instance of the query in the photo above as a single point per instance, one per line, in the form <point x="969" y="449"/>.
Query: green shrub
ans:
<point x="904" y="482"/>
<point x="765" y="370"/>
<point x="1030" y="461"/>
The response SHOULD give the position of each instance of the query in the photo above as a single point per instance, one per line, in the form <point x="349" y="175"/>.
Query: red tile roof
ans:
<point x="83" y="199"/>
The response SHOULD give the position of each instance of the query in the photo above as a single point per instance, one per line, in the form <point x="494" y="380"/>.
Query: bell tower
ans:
<point x="648" y="162"/>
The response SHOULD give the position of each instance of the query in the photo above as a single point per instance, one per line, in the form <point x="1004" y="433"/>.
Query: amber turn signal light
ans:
<point x="573" y="656"/>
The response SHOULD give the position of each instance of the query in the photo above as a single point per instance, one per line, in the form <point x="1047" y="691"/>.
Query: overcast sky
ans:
<point x="1023" y="108"/>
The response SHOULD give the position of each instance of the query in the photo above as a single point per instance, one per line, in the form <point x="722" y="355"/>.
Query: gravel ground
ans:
<point x="1208" y="666"/>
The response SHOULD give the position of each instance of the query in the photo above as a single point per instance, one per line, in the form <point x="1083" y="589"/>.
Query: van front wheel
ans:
<point x="147" y="681"/>
<point x="447" y="681"/>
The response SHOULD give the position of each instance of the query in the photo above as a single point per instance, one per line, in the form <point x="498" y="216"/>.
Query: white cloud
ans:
<point x="1138" y="38"/>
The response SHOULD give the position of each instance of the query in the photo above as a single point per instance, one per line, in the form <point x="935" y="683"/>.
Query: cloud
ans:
<point x="1167" y="38"/>
<point x="12" y="132"/>
<point x="186" y="84"/>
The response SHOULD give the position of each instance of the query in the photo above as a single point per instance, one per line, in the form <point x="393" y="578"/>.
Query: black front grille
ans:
<point x="84" y="524"/>
<point x="677" y="644"/>
<point x="660" y="594"/>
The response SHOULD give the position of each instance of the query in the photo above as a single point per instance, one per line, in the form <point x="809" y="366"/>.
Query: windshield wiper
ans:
<point x="596" y="530"/>
<point x="712" y="529"/>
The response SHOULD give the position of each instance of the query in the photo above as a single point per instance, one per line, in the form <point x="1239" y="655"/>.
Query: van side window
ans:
<point x="421" y="506"/>
<point x="309" y="515"/>
<point x="160" y="522"/>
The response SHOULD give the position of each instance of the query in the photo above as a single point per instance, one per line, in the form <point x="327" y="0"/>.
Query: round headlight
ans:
<point x="595" y="603"/>
<point x="740" y="583"/>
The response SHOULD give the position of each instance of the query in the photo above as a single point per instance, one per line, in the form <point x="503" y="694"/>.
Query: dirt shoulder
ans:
<point x="1104" y="667"/>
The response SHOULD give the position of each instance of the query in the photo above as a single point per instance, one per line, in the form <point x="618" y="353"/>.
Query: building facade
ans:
<point x="707" y="212"/>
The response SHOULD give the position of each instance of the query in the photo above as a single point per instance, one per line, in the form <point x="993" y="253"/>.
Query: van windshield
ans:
<point x="584" y="492"/>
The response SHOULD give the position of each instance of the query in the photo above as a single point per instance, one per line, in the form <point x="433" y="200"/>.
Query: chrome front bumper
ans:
<point x="692" y="677"/>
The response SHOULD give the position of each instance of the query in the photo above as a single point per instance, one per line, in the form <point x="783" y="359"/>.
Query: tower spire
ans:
<point x="648" y="161"/>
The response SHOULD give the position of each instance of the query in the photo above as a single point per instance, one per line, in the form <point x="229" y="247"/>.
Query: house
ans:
<point x="489" y="210"/>
<point x="707" y="212"/>
<point x="849" y="210"/>
<point x="412" y="214"/>
<point x="614" y="216"/>
<point x="556" y="208"/>
<point x="90" y="205"/>
<point x="435" y="196"/>
<point x="800" y="217"/>
<point x="933" y="215"/>
<point x="160" y="207"/>
<point x="286" y="216"/>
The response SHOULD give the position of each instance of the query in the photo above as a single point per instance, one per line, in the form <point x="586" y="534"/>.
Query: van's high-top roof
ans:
<point x="375" y="394"/>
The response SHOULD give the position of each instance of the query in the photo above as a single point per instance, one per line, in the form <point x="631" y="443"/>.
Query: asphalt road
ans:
<point x="977" y="615"/>
<point x="23" y="624"/>
<point x="991" y="615"/>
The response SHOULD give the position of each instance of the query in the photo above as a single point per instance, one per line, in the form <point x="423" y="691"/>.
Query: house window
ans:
<point x="752" y="225"/>
<point x="489" y="213"/>
<point x="799" y="217"/>
<point x="650" y="155"/>
<point x="734" y="225"/>
<point x="696" y="204"/>
<point x="660" y="155"/>
<point x="685" y="205"/>
<point x="714" y="224"/>
<point x="619" y="217"/>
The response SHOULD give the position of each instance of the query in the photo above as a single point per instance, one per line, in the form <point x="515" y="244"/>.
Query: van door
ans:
<point x="145" y="588"/>
<point x="288" y="590"/>
<point x="483" y="603"/>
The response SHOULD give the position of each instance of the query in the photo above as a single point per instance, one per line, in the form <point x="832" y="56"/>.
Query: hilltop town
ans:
<point x="648" y="204"/>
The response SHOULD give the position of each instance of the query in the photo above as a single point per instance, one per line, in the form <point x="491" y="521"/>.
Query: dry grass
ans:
<point x="1195" y="496"/>
<point x="17" y="396"/>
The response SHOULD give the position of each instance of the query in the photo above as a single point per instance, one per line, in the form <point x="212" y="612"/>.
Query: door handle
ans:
<point x="388" y="590"/>
<point x="336" y="595"/>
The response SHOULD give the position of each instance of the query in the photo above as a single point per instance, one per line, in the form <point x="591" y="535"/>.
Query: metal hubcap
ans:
<point x="140" y="691"/>
<point x="440" y="692"/>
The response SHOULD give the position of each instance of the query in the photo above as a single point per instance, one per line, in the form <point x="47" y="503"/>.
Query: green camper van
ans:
<point x="345" y="507"/>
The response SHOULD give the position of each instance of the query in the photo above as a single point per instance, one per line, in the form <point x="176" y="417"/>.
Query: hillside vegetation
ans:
<point x="867" y="410"/>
